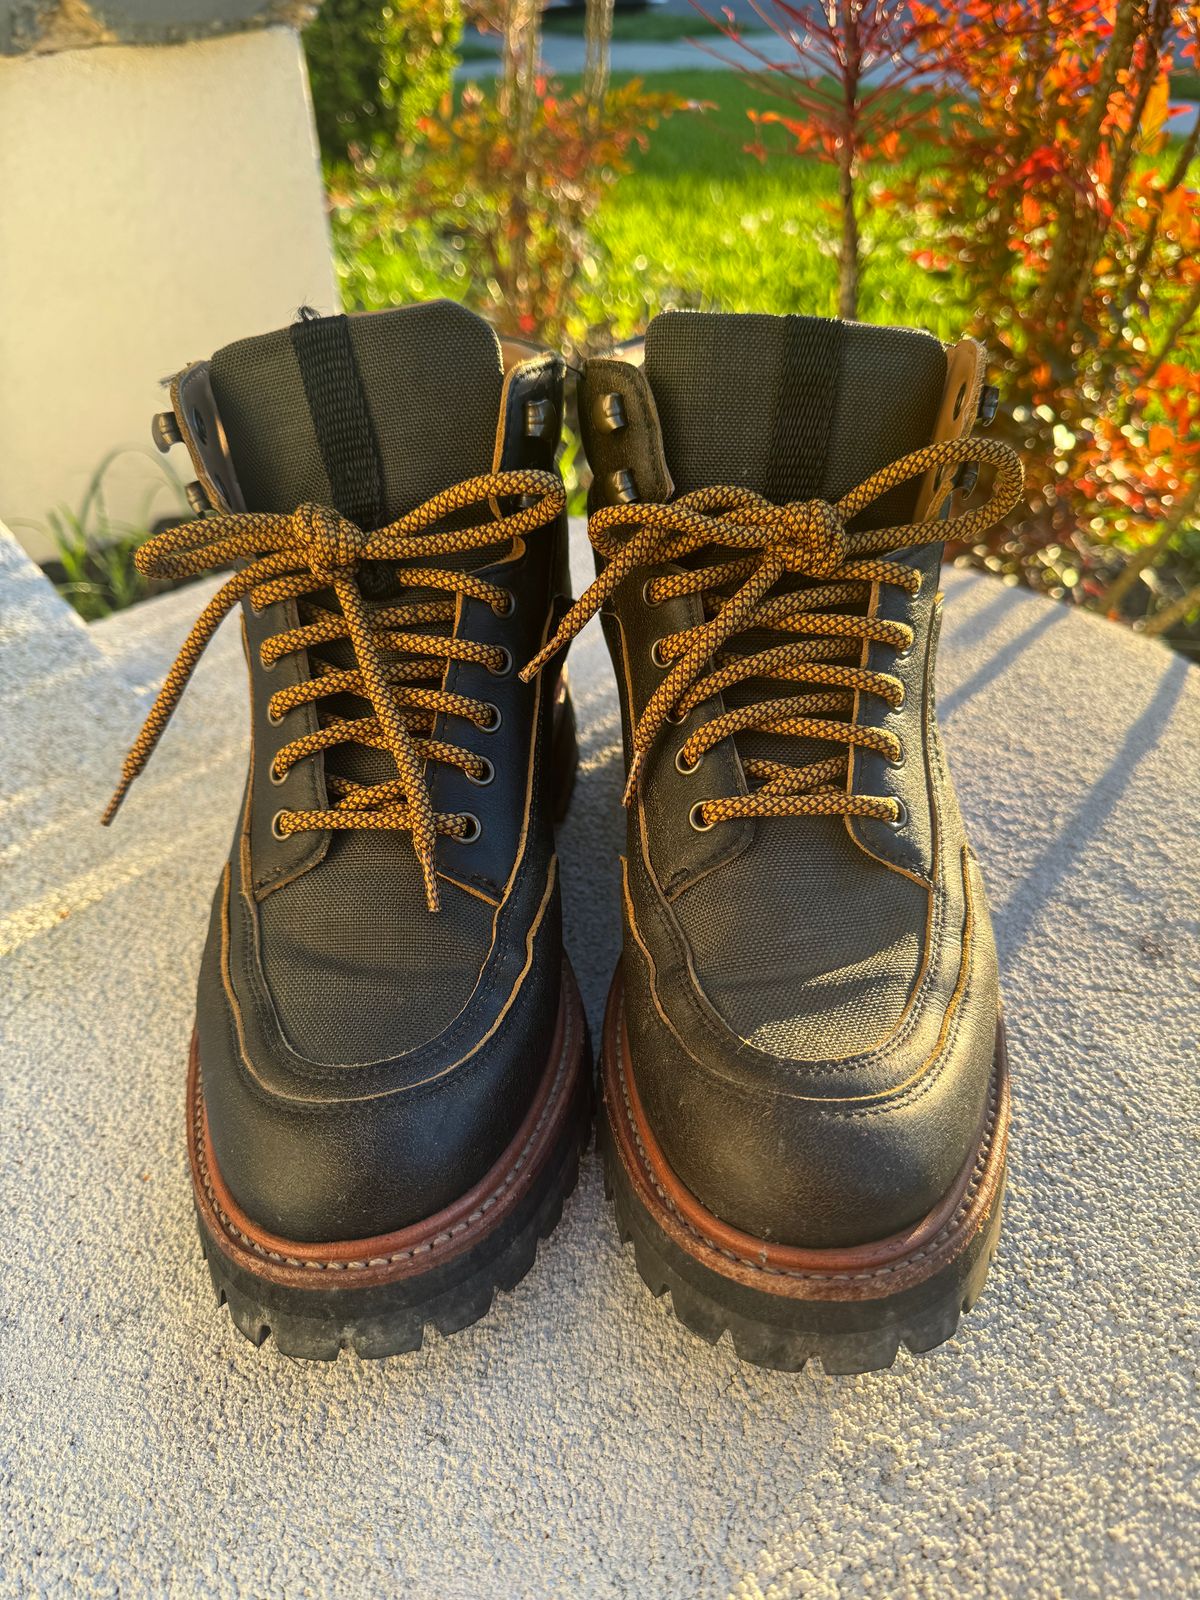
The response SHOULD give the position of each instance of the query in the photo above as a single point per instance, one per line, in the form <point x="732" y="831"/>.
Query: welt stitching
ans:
<point x="439" y="1241"/>
<point x="949" y="1227"/>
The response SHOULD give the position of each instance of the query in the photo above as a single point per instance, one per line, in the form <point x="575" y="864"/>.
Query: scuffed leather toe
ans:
<point x="816" y="1153"/>
<point x="314" y="1152"/>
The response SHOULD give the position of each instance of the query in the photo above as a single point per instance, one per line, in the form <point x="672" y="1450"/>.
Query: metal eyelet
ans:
<point x="898" y="705"/>
<point x="696" y="818"/>
<point x="896" y="762"/>
<point x="505" y="606"/>
<point x="647" y="597"/>
<point x="276" y="777"/>
<point x="275" y="828"/>
<point x="506" y="667"/>
<point x="657" y="656"/>
<point x="677" y="718"/>
<point x="538" y="417"/>
<point x="497" y="717"/>
<point x="275" y="717"/>
<point x="475" y="825"/>
<point x="489" y="772"/>
<point x="686" y="767"/>
<point x="901" y="818"/>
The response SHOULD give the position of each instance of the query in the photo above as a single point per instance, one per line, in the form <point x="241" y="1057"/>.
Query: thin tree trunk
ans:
<point x="847" y="156"/>
<point x="598" y="39"/>
<point x="848" y="253"/>
<point x="1181" y="512"/>
<point x="522" y="44"/>
<point x="1177" y="611"/>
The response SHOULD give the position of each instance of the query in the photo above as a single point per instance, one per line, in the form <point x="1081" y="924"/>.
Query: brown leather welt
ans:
<point x="414" y="1249"/>
<point x="860" y="1272"/>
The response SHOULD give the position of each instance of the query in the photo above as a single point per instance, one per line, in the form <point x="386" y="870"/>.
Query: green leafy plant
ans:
<point x="93" y="565"/>
<point x="377" y="69"/>
<point x="499" y="197"/>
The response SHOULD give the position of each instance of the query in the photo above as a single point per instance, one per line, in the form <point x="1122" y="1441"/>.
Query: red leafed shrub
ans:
<point x="520" y="197"/>
<point x="1069" y="221"/>
<point x="850" y="90"/>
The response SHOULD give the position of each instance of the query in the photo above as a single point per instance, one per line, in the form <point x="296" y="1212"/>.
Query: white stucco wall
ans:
<point x="154" y="203"/>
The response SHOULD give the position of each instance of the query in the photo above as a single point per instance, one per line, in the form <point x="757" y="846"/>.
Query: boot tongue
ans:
<point x="795" y="408"/>
<point x="369" y="414"/>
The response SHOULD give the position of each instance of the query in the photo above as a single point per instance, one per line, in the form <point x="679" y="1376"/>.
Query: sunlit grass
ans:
<point x="698" y="222"/>
<point x="701" y="222"/>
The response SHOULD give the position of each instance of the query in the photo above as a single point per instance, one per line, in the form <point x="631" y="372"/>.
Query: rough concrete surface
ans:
<point x="578" y="1442"/>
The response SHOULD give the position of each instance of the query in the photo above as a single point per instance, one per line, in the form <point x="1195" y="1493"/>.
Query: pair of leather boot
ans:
<point x="390" y="1083"/>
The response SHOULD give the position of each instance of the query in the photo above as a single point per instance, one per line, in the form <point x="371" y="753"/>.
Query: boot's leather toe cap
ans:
<point x="319" y="1153"/>
<point x="808" y="1153"/>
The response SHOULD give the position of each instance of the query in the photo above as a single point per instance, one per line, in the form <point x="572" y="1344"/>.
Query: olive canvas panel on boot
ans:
<point x="803" y="1067"/>
<point x="389" y="1078"/>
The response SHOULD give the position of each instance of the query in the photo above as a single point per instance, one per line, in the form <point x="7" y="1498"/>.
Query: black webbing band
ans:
<point x="806" y="389"/>
<point x="341" y="418"/>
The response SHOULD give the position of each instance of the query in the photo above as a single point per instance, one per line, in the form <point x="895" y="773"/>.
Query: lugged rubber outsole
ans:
<point x="852" y="1321"/>
<point x="393" y="1328"/>
<point x="376" y="1297"/>
<point x="763" y="1344"/>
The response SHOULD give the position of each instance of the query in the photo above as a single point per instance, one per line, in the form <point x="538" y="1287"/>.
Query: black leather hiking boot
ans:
<point x="803" y="1064"/>
<point x="390" y="1080"/>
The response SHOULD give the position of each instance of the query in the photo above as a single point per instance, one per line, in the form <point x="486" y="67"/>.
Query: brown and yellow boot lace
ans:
<point x="753" y="544"/>
<point x="397" y="670"/>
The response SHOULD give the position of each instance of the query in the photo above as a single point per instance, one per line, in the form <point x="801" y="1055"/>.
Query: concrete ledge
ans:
<point x="113" y="281"/>
<point x="578" y="1441"/>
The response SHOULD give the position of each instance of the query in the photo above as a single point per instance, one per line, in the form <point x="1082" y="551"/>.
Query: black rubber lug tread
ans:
<point x="700" y="1300"/>
<point x="399" y="1328"/>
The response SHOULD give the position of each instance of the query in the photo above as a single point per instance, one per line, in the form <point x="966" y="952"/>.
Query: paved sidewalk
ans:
<point x="579" y="1442"/>
<point x="563" y="56"/>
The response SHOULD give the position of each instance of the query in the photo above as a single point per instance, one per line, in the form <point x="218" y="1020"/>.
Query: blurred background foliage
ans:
<point x="375" y="70"/>
<point x="1017" y="172"/>
<point x="1024" y="173"/>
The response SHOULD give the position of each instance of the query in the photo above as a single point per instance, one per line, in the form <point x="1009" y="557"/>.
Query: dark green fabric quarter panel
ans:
<point x="260" y="395"/>
<point x="890" y="383"/>
<point x="433" y="379"/>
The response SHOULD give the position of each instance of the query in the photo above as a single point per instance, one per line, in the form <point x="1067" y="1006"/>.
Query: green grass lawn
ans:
<point x="698" y="223"/>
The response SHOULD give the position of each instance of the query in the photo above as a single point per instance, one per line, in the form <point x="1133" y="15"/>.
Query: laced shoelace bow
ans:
<point x="292" y="556"/>
<point x="754" y="544"/>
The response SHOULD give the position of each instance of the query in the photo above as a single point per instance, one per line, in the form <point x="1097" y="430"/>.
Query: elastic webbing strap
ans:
<point x="805" y="391"/>
<point x="345" y="433"/>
